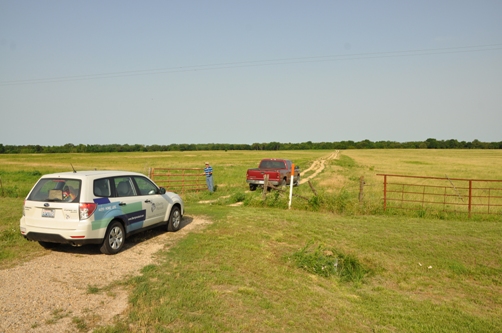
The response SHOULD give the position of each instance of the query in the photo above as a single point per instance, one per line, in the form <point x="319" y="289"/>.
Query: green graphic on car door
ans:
<point x="132" y="214"/>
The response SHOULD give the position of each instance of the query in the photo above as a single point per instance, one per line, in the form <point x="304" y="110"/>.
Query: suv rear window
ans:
<point x="56" y="189"/>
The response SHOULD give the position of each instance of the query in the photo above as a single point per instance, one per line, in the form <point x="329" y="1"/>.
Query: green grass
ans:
<point x="240" y="274"/>
<point x="259" y="266"/>
<point x="13" y="247"/>
<point x="329" y="262"/>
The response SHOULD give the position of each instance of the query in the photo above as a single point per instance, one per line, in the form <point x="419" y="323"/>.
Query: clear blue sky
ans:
<point x="163" y="72"/>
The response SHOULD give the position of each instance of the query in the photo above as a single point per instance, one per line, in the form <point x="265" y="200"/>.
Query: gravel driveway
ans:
<point x="56" y="292"/>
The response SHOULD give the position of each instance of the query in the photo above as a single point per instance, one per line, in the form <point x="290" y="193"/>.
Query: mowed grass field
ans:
<point x="261" y="267"/>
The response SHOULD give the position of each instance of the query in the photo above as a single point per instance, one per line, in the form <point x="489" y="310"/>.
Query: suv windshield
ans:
<point x="56" y="189"/>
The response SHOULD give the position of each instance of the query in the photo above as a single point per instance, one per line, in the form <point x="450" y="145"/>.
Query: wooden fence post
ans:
<point x="361" y="189"/>
<point x="265" y="186"/>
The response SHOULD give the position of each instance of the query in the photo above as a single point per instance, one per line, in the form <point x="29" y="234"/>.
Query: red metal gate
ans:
<point x="179" y="180"/>
<point x="459" y="195"/>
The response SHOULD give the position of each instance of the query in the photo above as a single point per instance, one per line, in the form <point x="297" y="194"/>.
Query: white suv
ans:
<point x="96" y="207"/>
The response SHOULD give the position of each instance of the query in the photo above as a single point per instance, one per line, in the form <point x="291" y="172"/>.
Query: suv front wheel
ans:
<point x="174" y="222"/>
<point x="114" y="239"/>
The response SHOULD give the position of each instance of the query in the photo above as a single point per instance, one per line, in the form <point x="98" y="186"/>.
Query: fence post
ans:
<point x="470" y="197"/>
<point x="265" y="186"/>
<point x="291" y="181"/>
<point x="361" y="189"/>
<point x="384" y="193"/>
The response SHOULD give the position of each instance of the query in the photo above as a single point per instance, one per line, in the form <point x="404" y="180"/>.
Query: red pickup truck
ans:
<point x="278" y="171"/>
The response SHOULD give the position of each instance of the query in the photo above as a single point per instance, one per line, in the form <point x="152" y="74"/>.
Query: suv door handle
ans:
<point x="122" y="204"/>
<point x="148" y="201"/>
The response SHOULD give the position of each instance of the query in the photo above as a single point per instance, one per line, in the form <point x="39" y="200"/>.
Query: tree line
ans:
<point x="365" y="144"/>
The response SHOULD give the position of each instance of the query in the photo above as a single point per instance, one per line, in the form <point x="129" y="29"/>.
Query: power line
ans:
<point x="259" y="63"/>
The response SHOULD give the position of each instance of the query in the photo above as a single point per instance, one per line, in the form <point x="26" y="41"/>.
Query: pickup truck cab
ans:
<point x="278" y="171"/>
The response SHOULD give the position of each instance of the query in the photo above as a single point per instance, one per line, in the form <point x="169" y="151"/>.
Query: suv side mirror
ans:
<point x="162" y="190"/>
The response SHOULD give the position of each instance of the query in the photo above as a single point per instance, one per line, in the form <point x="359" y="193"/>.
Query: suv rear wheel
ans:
<point x="114" y="239"/>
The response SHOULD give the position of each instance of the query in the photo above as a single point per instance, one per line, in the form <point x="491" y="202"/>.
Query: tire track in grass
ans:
<point x="318" y="166"/>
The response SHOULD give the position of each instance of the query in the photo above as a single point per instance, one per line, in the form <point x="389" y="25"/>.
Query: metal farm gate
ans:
<point x="458" y="195"/>
<point x="179" y="180"/>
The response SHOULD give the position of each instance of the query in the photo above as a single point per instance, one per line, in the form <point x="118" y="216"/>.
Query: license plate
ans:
<point x="48" y="213"/>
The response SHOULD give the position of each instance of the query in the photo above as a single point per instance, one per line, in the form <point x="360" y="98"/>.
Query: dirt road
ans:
<point x="56" y="292"/>
<point x="318" y="166"/>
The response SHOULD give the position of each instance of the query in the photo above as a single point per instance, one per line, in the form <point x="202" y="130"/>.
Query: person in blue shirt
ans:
<point x="208" y="171"/>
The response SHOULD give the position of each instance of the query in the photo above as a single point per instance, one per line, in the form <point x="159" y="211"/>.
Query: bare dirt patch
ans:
<point x="63" y="290"/>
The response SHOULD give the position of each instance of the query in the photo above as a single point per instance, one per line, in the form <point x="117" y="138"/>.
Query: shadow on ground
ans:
<point x="131" y="241"/>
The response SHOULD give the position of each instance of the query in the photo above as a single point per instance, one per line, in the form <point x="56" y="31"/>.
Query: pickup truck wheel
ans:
<point x="252" y="187"/>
